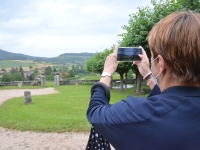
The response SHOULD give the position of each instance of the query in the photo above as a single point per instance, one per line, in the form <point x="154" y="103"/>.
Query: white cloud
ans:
<point x="52" y="27"/>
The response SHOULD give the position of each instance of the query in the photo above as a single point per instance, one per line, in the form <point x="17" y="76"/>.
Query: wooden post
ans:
<point x="27" y="97"/>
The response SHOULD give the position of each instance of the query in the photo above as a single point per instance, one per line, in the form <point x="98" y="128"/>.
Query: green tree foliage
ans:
<point x="54" y="70"/>
<point x="141" y="22"/>
<point x="17" y="70"/>
<point x="12" y="70"/>
<point x="49" y="77"/>
<point x="65" y="75"/>
<point x="123" y="68"/>
<point x="136" y="34"/>
<point x="96" y="63"/>
<point x="71" y="72"/>
<point x="35" y="70"/>
<point x="7" y="78"/>
<point x="3" y="69"/>
<point x="63" y="68"/>
<point x="17" y="76"/>
<point x="30" y="67"/>
<point x="48" y="70"/>
<point x="78" y="68"/>
<point x="21" y="71"/>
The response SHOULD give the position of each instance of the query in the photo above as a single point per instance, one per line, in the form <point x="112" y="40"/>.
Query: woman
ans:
<point x="170" y="117"/>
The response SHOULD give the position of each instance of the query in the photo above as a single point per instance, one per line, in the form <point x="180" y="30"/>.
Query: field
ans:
<point x="61" y="112"/>
<point x="8" y="64"/>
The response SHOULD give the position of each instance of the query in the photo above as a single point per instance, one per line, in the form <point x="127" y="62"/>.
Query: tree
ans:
<point x="136" y="35"/>
<point x="49" y="77"/>
<point x="54" y="70"/>
<point x="63" y="68"/>
<point x="123" y="68"/>
<point x="141" y="22"/>
<point x="7" y="78"/>
<point x="30" y="67"/>
<point x="65" y="75"/>
<point x="17" y="76"/>
<point x="17" y="70"/>
<point x="12" y="70"/>
<point x="47" y="70"/>
<point x="96" y="63"/>
<point x="21" y="71"/>
<point x="35" y="70"/>
<point x="71" y="72"/>
<point x="3" y="69"/>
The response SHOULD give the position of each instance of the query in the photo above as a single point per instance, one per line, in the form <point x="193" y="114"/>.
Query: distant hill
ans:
<point x="61" y="59"/>
<point x="4" y="55"/>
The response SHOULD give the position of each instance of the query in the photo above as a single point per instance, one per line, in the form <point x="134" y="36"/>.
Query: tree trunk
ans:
<point x="138" y="83"/>
<point x="121" y="83"/>
<point x="125" y="81"/>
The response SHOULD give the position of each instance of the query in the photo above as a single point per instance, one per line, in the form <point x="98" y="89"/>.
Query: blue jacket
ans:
<point x="164" y="121"/>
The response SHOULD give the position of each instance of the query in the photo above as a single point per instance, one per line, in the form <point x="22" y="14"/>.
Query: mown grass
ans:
<point x="63" y="112"/>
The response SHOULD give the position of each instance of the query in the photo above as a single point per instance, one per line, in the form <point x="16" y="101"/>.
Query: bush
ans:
<point x="87" y="83"/>
<point x="35" y="83"/>
<point x="7" y="78"/>
<point x="49" y="84"/>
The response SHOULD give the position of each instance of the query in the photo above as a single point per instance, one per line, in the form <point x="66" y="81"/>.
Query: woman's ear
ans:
<point x="162" y="64"/>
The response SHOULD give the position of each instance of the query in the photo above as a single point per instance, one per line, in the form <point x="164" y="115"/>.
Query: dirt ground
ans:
<point x="17" y="140"/>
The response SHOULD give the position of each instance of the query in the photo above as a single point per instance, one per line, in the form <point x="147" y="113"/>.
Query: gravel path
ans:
<point x="17" y="140"/>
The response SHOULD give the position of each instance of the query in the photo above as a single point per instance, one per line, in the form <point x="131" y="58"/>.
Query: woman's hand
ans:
<point x="110" y="66"/>
<point x="111" y="63"/>
<point x="143" y="65"/>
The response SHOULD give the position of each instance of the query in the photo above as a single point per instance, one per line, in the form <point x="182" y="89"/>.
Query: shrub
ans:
<point x="87" y="83"/>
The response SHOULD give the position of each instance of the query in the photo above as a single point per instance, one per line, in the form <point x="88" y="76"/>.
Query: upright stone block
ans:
<point x="55" y="80"/>
<point x="58" y="79"/>
<point x="27" y="97"/>
<point x="43" y="83"/>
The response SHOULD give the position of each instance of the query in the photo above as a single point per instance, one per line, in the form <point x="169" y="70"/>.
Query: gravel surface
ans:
<point x="17" y="140"/>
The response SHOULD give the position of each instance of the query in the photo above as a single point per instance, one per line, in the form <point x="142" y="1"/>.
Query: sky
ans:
<point x="48" y="28"/>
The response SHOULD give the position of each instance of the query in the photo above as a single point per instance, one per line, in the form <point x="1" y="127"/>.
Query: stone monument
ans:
<point x="27" y="97"/>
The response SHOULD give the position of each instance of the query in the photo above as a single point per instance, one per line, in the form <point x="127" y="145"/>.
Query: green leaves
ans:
<point x="136" y="31"/>
<point x="96" y="63"/>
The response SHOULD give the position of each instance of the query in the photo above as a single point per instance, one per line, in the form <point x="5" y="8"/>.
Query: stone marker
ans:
<point x="27" y="97"/>
<point x="43" y="82"/>
<point x="56" y="80"/>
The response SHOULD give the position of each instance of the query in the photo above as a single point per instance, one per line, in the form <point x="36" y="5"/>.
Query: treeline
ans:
<point x="15" y="74"/>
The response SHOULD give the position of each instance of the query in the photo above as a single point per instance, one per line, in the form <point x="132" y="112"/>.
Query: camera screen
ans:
<point x="129" y="54"/>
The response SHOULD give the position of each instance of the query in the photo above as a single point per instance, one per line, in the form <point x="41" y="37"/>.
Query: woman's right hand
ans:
<point x="143" y="65"/>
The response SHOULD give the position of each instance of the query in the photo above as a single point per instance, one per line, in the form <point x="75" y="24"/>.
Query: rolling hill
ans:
<point x="61" y="59"/>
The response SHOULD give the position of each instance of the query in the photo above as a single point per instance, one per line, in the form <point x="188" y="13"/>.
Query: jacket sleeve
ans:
<point x="129" y="110"/>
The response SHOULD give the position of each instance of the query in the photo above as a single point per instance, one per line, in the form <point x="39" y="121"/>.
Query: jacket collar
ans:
<point x="183" y="91"/>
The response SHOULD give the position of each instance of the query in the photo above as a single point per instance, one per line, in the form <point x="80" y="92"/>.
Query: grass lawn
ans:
<point x="63" y="112"/>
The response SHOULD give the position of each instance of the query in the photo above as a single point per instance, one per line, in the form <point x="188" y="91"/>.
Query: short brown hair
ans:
<point x="177" y="39"/>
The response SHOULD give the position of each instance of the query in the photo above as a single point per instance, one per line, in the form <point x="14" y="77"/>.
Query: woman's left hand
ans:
<point x="111" y="63"/>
